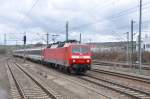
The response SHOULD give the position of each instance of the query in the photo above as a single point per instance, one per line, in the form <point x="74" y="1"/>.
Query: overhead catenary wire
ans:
<point x="131" y="10"/>
<point x="112" y="17"/>
<point x="102" y="8"/>
<point x="84" y="25"/>
<point x="28" y="12"/>
<point x="123" y="12"/>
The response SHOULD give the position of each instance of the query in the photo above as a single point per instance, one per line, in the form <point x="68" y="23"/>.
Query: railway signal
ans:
<point x="24" y="39"/>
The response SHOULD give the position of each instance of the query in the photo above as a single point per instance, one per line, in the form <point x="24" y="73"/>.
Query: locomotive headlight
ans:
<point x="86" y="57"/>
<point x="87" y="61"/>
<point x="73" y="60"/>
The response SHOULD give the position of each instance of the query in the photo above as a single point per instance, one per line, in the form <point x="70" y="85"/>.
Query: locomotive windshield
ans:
<point x="80" y="49"/>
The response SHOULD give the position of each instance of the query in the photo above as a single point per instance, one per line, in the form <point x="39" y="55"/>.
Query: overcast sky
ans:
<point x="97" y="20"/>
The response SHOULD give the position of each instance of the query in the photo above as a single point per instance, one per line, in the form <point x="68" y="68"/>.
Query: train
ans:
<point x="69" y="56"/>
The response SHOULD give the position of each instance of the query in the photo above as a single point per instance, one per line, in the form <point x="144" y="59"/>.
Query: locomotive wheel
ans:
<point x="77" y="71"/>
<point x="66" y="70"/>
<point x="72" y="70"/>
<point x="60" y="67"/>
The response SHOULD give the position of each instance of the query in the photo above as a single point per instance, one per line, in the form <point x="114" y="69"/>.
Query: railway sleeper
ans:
<point x="39" y="82"/>
<point x="124" y="86"/>
<point x="119" y="88"/>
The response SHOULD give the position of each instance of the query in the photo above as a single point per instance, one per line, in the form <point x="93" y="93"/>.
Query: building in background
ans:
<point x="146" y="43"/>
<point x="108" y="46"/>
<point x="120" y="46"/>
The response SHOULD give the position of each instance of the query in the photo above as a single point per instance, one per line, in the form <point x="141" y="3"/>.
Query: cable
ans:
<point x="110" y="17"/>
<point x="104" y="6"/>
<point x="28" y="12"/>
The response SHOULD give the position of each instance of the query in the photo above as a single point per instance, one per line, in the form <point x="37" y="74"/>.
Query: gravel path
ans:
<point x="128" y="70"/>
<point x="4" y="82"/>
<point x="69" y="89"/>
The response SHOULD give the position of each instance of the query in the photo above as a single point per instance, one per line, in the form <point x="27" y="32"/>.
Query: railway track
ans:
<point x="26" y="86"/>
<point x="127" y="90"/>
<point x="124" y="65"/>
<point x="118" y="87"/>
<point x="123" y="75"/>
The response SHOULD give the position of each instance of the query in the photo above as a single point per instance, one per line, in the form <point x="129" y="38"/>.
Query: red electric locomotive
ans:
<point x="70" y="56"/>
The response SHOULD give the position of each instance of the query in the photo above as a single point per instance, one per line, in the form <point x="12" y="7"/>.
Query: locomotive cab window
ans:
<point x="84" y="50"/>
<point x="76" y="50"/>
<point x="80" y="49"/>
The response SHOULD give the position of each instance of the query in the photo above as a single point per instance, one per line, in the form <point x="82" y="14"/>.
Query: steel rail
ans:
<point x="123" y="75"/>
<point x="138" y="94"/>
<point x="16" y="83"/>
<point x="37" y="82"/>
<point x="51" y="95"/>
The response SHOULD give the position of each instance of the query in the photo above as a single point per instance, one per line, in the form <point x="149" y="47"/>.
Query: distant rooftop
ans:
<point x="109" y="44"/>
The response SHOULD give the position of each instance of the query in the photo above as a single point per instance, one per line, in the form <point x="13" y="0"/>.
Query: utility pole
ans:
<point x="80" y="38"/>
<point x="16" y="44"/>
<point x="67" y="31"/>
<point x="47" y="38"/>
<point x="24" y="40"/>
<point x="5" y="41"/>
<point x="132" y="43"/>
<point x="140" y="28"/>
<point x="127" y="47"/>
